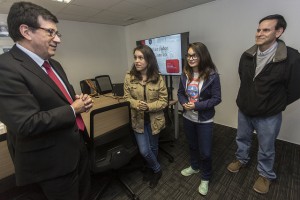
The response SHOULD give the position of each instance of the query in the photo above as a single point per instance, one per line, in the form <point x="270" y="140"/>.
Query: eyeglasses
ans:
<point x="52" y="32"/>
<point x="189" y="57"/>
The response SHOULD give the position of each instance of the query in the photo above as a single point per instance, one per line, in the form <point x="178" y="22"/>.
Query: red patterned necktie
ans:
<point x="52" y="75"/>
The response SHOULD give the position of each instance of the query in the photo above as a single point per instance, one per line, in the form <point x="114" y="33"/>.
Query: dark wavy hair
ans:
<point x="152" y="66"/>
<point x="26" y="13"/>
<point x="206" y="65"/>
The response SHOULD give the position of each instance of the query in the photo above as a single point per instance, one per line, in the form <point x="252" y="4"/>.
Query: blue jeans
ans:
<point x="267" y="129"/>
<point x="199" y="136"/>
<point x="148" y="146"/>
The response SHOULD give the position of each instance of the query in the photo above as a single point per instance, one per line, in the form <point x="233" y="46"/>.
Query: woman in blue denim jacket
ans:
<point x="199" y="92"/>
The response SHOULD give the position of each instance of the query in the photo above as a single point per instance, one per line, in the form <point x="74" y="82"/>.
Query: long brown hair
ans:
<point x="206" y="65"/>
<point x="152" y="66"/>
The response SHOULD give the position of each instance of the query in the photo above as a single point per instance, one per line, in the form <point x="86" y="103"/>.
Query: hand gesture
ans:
<point x="189" y="106"/>
<point x="83" y="103"/>
<point x="143" y="106"/>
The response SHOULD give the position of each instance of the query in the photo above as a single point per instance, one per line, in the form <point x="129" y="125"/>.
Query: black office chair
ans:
<point x="104" y="84"/>
<point x="112" y="143"/>
<point x="88" y="86"/>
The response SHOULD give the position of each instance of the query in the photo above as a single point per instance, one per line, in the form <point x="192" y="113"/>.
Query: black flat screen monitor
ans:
<point x="170" y="51"/>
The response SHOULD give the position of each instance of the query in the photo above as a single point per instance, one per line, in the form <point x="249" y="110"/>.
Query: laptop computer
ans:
<point x="118" y="89"/>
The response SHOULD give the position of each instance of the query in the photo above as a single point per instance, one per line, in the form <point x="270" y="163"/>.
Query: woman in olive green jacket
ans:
<point x="146" y="91"/>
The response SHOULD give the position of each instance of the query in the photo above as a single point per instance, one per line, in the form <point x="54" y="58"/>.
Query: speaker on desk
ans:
<point x="88" y="86"/>
<point x="118" y="89"/>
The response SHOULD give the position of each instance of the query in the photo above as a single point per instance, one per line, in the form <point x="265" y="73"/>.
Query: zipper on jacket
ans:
<point x="254" y="64"/>
<point x="271" y="62"/>
<point x="210" y="81"/>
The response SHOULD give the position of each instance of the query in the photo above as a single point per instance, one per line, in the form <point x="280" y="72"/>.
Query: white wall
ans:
<point x="88" y="50"/>
<point x="228" y="28"/>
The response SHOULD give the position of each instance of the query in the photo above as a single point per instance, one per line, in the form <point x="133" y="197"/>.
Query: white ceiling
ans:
<point x="113" y="12"/>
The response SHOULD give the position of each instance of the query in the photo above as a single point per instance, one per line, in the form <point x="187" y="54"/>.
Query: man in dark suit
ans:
<point x="44" y="128"/>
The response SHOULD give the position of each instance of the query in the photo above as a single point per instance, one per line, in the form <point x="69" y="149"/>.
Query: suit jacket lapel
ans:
<point x="32" y="66"/>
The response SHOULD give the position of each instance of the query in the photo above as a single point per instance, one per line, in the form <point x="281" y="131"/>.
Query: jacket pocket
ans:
<point x="153" y="93"/>
<point x="133" y="91"/>
<point x="159" y="123"/>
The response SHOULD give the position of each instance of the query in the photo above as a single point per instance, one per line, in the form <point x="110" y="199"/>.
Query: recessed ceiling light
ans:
<point x="63" y="1"/>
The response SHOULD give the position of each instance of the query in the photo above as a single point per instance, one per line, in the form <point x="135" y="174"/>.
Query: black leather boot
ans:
<point x="155" y="178"/>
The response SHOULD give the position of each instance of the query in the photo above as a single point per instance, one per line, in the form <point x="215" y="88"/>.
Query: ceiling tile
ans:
<point x="151" y="13"/>
<point x="126" y="7"/>
<point x="70" y="17"/>
<point x="98" y="4"/>
<point x="79" y="11"/>
<point x="50" y="5"/>
<point x="149" y="3"/>
<point x="116" y="12"/>
<point x="114" y="18"/>
<point x="174" y="5"/>
<point x="109" y="22"/>
<point x="108" y="15"/>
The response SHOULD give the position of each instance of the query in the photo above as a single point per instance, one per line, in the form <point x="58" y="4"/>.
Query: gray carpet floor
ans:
<point x="173" y="186"/>
<point x="223" y="185"/>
